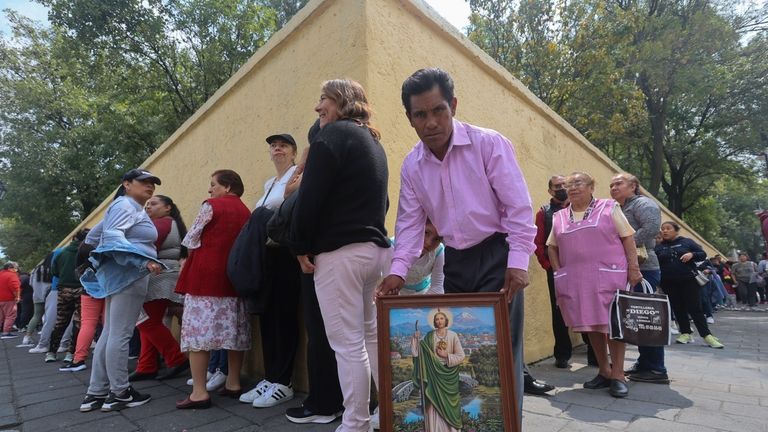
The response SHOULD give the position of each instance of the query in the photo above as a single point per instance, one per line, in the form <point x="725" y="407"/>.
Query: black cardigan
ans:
<point x="343" y="193"/>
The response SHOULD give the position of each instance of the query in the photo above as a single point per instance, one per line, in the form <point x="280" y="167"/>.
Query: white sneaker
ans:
<point x="39" y="350"/>
<point x="375" y="419"/>
<point x="275" y="395"/>
<point x="257" y="391"/>
<point x="216" y="381"/>
<point x="26" y="342"/>
<point x="341" y="426"/>
<point x="710" y="320"/>
<point x="208" y="376"/>
<point x="68" y="358"/>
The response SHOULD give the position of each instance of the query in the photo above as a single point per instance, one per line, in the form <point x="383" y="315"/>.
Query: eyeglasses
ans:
<point x="576" y="184"/>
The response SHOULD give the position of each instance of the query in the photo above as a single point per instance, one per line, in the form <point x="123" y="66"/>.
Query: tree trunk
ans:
<point x="656" y="107"/>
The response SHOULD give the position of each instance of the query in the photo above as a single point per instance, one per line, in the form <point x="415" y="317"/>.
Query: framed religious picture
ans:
<point x="445" y="364"/>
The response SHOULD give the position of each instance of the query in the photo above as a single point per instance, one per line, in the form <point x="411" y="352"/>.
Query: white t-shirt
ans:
<point x="273" y="195"/>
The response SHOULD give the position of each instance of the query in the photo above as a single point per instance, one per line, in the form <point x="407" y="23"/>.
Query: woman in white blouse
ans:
<point x="278" y="321"/>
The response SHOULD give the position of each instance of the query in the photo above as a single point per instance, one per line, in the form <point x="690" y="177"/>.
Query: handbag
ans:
<point x="641" y="318"/>
<point x="701" y="278"/>
<point x="757" y="279"/>
<point x="642" y="254"/>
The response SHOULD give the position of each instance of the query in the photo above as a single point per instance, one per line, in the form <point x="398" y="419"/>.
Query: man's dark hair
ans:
<point x="549" y="182"/>
<point x="424" y="80"/>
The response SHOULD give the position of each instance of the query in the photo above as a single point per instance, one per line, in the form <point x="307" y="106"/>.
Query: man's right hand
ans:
<point x="390" y="286"/>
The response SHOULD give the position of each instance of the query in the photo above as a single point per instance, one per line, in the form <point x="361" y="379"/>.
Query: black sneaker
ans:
<point x="649" y="377"/>
<point x="73" y="366"/>
<point x="129" y="398"/>
<point x="92" y="402"/>
<point x="302" y="415"/>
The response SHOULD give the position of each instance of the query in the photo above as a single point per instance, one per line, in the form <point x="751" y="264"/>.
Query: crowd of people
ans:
<point x="464" y="224"/>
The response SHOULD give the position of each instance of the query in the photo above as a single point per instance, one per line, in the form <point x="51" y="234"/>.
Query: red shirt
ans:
<point x="163" y="226"/>
<point x="10" y="285"/>
<point x="205" y="271"/>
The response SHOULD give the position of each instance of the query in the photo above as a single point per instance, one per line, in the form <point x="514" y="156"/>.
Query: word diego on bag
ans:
<point x="643" y="310"/>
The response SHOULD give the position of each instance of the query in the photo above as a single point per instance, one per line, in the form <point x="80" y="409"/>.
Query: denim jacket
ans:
<point x="117" y="264"/>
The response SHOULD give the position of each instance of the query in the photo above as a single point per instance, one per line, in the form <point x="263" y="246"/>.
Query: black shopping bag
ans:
<point x="641" y="318"/>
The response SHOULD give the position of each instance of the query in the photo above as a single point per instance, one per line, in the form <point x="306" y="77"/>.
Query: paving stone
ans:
<point x="757" y="412"/>
<point x="64" y="419"/>
<point x="31" y="389"/>
<point x="600" y="417"/>
<point x="543" y="423"/>
<point x="36" y="385"/>
<point x="544" y="405"/>
<point x="575" y="426"/>
<point x="227" y="424"/>
<point x="678" y="397"/>
<point x="585" y="397"/>
<point x="698" y="384"/>
<point x="179" y="420"/>
<point x="722" y="421"/>
<point x="112" y="423"/>
<point x="644" y="409"/>
<point x="748" y="391"/>
<point x="47" y="408"/>
<point x="154" y="407"/>
<point x="278" y="423"/>
<point x="656" y="424"/>
<point x="8" y="421"/>
<point x="49" y="394"/>
<point x="725" y="397"/>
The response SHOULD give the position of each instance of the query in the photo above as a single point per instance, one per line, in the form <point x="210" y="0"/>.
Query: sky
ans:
<point x="409" y="315"/>
<point x="454" y="11"/>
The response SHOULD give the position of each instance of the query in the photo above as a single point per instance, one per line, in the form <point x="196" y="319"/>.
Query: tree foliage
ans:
<point x="672" y="90"/>
<point x="97" y="91"/>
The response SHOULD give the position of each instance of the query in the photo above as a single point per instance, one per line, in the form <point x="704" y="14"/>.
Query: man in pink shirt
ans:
<point x="467" y="181"/>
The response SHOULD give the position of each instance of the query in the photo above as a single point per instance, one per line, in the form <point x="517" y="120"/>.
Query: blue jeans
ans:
<point x="218" y="361"/>
<point x="651" y="358"/>
<point x="706" y="298"/>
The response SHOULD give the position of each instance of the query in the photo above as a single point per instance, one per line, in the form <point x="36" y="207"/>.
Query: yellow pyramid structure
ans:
<point x="377" y="43"/>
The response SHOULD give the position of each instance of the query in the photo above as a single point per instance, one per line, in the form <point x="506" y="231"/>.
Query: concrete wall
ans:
<point x="378" y="43"/>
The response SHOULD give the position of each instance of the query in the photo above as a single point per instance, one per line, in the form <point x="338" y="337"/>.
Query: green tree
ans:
<point x="99" y="90"/>
<point x="668" y="89"/>
<point x="485" y="362"/>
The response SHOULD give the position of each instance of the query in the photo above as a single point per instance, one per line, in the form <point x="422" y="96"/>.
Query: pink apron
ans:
<point x="593" y="266"/>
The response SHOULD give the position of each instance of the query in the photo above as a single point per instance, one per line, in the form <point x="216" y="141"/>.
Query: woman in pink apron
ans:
<point x="593" y="253"/>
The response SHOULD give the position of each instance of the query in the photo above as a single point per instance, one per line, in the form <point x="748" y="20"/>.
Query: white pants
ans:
<point x="345" y="282"/>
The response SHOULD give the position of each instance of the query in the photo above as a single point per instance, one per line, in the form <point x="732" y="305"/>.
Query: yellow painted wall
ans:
<point x="378" y="43"/>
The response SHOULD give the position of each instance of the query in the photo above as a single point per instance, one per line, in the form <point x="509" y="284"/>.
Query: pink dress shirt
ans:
<point x="475" y="191"/>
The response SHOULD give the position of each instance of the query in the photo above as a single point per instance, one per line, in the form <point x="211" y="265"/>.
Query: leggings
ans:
<point x="37" y="316"/>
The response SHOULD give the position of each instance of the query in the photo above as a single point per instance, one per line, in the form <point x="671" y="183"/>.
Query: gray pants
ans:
<point x="49" y="322"/>
<point x="482" y="268"/>
<point x="110" y="359"/>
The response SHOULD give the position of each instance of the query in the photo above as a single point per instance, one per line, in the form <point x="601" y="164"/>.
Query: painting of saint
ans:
<point x="436" y="358"/>
<point x="443" y="363"/>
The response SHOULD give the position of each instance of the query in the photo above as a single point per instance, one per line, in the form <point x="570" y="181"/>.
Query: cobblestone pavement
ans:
<point x="711" y="390"/>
